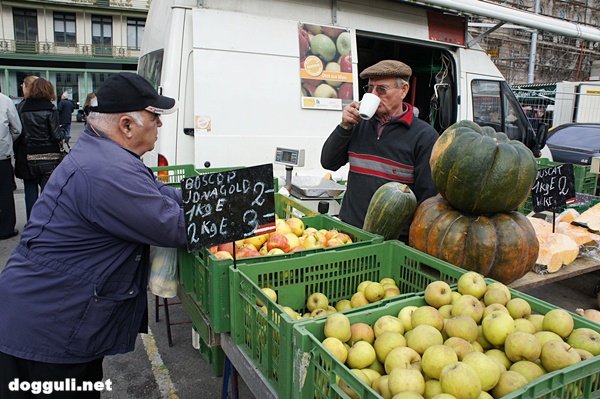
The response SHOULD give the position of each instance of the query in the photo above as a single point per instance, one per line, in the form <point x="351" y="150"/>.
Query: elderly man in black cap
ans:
<point x="393" y="146"/>
<point x="74" y="289"/>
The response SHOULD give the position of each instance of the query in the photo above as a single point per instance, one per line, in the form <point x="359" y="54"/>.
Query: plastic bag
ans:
<point x="163" y="271"/>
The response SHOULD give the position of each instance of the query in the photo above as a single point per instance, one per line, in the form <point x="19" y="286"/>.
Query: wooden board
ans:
<point x="580" y="266"/>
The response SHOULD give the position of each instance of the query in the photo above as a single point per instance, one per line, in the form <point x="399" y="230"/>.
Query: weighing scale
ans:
<point x="315" y="193"/>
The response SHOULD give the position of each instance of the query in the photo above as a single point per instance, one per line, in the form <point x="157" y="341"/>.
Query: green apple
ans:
<point x="317" y="300"/>
<point x="462" y="326"/>
<point x="374" y="292"/>
<point x="521" y="345"/>
<point x="406" y="380"/>
<point x="338" y="325"/>
<point x="378" y="366"/>
<point x="372" y="374"/>
<point x="402" y="357"/>
<point x="455" y="296"/>
<point x="388" y="323"/>
<point x="325" y="91"/>
<point x="427" y="315"/>
<point x="270" y="293"/>
<point x="498" y="284"/>
<point x="343" y="304"/>
<point x="494" y="306"/>
<point x="384" y="387"/>
<point x="487" y="369"/>
<point x="545" y="336"/>
<point x="361" y="332"/>
<point x="495" y="295"/>
<point x="481" y="341"/>
<point x="518" y="308"/>
<point x="497" y="326"/>
<point x="461" y="380"/>
<point x="525" y="325"/>
<point x="461" y="346"/>
<point x="537" y="320"/>
<point x="432" y="388"/>
<point x="446" y="311"/>
<point x="585" y="338"/>
<point x="557" y="355"/>
<point x="359" y="299"/>
<point x="472" y="283"/>
<point x="500" y="357"/>
<point x="386" y="342"/>
<point x="405" y="315"/>
<point x="361" y="287"/>
<point x="468" y="304"/>
<point x="438" y="293"/>
<point x="343" y="43"/>
<point x="337" y="348"/>
<point x="423" y="336"/>
<point x="509" y="382"/>
<point x="559" y="321"/>
<point x="323" y="46"/>
<point x="361" y="355"/>
<point x="435" y="358"/>
<point x="530" y="370"/>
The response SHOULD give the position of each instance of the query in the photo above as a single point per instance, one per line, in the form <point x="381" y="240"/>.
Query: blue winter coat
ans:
<point x="74" y="289"/>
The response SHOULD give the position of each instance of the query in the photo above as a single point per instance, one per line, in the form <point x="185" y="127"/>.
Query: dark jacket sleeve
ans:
<point x="56" y="132"/>
<point x="334" y="153"/>
<point x="424" y="187"/>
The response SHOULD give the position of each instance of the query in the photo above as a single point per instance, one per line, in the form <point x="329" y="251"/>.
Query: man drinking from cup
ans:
<point x="391" y="146"/>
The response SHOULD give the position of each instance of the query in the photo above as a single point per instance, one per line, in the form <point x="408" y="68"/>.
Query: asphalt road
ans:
<point x="153" y="370"/>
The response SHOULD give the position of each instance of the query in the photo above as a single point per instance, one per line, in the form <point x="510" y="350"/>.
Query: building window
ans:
<point x="135" y="32"/>
<point x="25" y="21"/>
<point x="101" y="30"/>
<point x="64" y="29"/>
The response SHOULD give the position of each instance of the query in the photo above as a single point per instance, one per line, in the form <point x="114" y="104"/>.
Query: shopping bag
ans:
<point x="163" y="271"/>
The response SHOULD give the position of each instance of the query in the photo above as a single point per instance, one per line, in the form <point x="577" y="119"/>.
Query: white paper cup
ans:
<point x="368" y="106"/>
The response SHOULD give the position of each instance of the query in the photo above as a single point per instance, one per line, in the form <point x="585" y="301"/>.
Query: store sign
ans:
<point x="553" y="188"/>
<point x="227" y="206"/>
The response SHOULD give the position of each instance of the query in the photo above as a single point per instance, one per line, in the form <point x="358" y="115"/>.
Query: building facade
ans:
<point x="557" y="58"/>
<point x="75" y="44"/>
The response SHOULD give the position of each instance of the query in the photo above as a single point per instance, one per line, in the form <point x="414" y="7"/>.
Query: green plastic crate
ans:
<point x="585" y="181"/>
<point x="213" y="355"/>
<point x="206" y="277"/>
<point x="286" y="207"/>
<point x="267" y="337"/>
<point x="316" y="370"/>
<point x="172" y="175"/>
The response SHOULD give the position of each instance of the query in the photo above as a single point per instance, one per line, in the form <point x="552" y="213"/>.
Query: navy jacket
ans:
<point x="74" y="289"/>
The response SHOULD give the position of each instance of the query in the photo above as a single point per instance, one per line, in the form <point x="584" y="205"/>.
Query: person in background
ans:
<point x="42" y="126"/>
<point x="393" y="146"/>
<point x="22" y="171"/>
<point x="10" y="129"/>
<point x="76" y="284"/>
<point x="87" y="106"/>
<point x="65" y="111"/>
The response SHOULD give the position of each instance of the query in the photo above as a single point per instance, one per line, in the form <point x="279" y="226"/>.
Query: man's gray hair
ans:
<point x="105" y="121"/>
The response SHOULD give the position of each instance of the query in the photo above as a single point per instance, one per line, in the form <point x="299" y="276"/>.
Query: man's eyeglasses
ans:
<point x="381" y="90"/>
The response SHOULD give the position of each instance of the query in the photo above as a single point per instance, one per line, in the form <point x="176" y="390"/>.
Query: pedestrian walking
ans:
<point x="65" y="111"/>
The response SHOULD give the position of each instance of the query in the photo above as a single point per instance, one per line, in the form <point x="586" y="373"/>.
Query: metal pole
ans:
<point x="532" y="49"/>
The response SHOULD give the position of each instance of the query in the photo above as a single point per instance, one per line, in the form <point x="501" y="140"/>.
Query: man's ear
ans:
<point x="125" y="123"/>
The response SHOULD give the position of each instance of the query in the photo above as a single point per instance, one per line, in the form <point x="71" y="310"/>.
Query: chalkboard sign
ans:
<point x="227" y="206"/>
<point x="553" y="187"/>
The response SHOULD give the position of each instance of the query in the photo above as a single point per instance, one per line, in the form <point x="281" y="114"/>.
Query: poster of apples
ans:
<point x="325" y="66"/>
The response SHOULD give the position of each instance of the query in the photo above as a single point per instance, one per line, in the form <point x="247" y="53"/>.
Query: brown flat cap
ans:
<point x="387" y="68"/>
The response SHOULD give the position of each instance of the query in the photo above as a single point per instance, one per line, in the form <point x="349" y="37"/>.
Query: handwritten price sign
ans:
<point x="227" y="206"/>
<point x="553" y="187"/>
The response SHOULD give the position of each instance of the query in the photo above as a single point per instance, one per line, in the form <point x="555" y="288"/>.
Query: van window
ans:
<point x="495" y="105"/>
<point x="150" y="67"/>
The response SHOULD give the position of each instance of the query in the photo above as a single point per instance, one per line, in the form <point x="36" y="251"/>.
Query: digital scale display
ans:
<point x="286" y="156"/>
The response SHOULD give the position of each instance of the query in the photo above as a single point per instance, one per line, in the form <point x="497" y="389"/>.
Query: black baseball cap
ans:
<point x="127" y="92"/>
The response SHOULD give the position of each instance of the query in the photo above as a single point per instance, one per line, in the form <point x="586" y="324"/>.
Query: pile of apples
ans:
<point x="317" y="304"/>
<point x="473" y="343"/>
<point x="289" y="235"/>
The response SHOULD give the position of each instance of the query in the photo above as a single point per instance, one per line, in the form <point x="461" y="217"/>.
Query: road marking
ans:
<point x="160" y="371"/>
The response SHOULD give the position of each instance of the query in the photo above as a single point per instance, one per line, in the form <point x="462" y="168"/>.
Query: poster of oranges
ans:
<point x="325" y="66"/>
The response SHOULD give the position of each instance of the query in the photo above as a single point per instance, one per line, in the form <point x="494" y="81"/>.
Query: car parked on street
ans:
<point x="575" y="143"/>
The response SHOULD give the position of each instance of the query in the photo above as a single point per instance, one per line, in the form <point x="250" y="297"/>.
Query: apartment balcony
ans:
<point x="135" y="5"/>
<point x="22" y="48"/>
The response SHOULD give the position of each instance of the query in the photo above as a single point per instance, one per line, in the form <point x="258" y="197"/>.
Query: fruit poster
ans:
<point x="325" y="66"/>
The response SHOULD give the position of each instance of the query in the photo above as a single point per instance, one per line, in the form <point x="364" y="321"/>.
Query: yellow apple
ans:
<point x="359" y="299"/>
<point x="406" y="380"/>
<point x="488" y="370"/>
<point x="374" y="292"/>
<point x="435" y="358"/>
<point x="317" y="300"/>
<point x="338" y="325"/>
<point x="361" y="355"/>
<point x="343" y="304"/>
<point x="336" y="347"/>
<point x="270" y="293"/>
<point x="296" y="225"/>
<point x="386" y="342"/>
<point x="387" y="323"/>
<point x="509" y="382"/>
<point x="461" y="380"/>
<point x="257" y="241"/>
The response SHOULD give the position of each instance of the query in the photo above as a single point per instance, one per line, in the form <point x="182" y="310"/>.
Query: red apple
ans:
<point x="277" y="240"/>
<point x="345" y="92"/>
<point x="247" y="252"/>
<point x="331" y="32"/>
<point x="345" y="62"/>
<point x="304" y="41"/>
<point x="228" y="247"/>
<point x="213" y="249"/>
<point x="223" y="255"/>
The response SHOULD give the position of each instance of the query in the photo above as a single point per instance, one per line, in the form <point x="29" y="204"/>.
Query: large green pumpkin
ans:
<point x="503" y="246"/>
<point x="481" y="171"/>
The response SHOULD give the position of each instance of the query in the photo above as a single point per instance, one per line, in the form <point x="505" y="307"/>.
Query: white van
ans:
<point x="247" y="83"/>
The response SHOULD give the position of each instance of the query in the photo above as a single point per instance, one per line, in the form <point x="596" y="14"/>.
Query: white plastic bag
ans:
<point x="163" y="271"/>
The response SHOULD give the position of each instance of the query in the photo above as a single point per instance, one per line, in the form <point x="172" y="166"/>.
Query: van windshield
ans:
<point x="495" y="105"/>
<point x="150" y="67"/>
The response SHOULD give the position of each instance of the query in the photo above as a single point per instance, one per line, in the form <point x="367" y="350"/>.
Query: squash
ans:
<point x="556" y="250"/>
<point x="502" y="246"/>
<point x="481" y="171"/>
<point x="391" y="208"/>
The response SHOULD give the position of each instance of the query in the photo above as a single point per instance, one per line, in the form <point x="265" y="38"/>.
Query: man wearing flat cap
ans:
<point x="74" y="289"/>
<point x="392" y="146"/>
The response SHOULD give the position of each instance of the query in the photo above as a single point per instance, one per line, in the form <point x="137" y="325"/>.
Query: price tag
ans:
<point x="553" y="187"/>
<point x="227" y="206"/>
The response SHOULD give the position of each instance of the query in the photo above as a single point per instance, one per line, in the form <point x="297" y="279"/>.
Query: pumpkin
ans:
<point x="502" y="246"/>
<point x="481" y="171"/>
<point x="391" y="208"/>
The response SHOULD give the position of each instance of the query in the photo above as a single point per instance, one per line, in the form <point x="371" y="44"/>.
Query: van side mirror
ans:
<point x="541" y="135"/>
